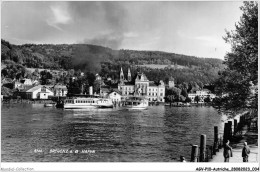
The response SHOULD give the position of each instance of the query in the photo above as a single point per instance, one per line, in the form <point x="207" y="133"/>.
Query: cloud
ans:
<point x="131" y="35"/>
<point x="106" y="22"/>
<point x="183" y="27"/>
<point x="59" y="16"/>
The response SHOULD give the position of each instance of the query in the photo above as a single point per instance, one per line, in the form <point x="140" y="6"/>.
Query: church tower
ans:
<point x="122" y="78"/>
<point x="129" y="75"/>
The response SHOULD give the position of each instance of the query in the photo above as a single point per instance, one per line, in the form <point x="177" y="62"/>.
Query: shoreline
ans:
<point x="25" y="101"/>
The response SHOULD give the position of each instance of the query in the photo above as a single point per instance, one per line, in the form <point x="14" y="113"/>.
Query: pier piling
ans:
<point x="215" y="147"/>
<point x="202" y="147"/>
<point x="194" y="153"/>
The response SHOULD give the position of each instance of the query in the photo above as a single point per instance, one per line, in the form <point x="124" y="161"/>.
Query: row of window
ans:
<point x="150" y="90"/>
<point x="149" y="94"/>
<point x="80" y="101"/>
<point x="127" y="88"/>
<point x="155" y="89"/>
<point x="154" y="99"/>
<point x="155" y="94"/>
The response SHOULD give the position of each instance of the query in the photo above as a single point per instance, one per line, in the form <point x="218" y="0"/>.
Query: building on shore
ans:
<point x="36" y="92"/>
<point x="202" y="95"/>
<point x="115" y="96"/>
<point x="58" y="90"/>
<point x="141" y="86"/>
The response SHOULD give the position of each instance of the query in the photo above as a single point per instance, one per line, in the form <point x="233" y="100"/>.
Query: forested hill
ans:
<point x="93" y="58"/>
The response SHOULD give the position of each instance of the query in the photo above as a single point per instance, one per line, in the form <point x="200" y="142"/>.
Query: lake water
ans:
<point x="159" y="134"/>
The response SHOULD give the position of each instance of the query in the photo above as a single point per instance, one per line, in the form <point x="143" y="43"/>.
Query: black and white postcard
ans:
<point x="129" y="86"/>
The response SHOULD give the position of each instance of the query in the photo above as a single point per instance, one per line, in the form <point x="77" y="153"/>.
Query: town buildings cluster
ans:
<point x="126" y="87"/>
<point x="140" y="86"/>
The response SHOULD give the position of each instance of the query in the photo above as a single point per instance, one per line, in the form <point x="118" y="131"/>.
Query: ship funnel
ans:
<point x="90" y="90"/>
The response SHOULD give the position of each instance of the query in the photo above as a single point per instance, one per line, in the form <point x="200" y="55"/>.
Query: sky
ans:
<point x="190" y="28"/>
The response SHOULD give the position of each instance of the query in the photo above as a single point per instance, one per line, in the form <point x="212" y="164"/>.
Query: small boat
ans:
<point x="49" y="104"/>
<point x="136" y="103"/>
<point x="80" y="103"/>
<point x="187" y="104"/>
<point x="105" y="103"/>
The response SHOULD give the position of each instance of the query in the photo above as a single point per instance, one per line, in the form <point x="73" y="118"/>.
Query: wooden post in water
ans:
<point x="230" y="129"/>
<point x="215" y="147"/>
<point x="194" y="153"/>
<point x="235" y="126"/>
<point x="202" y="147"/>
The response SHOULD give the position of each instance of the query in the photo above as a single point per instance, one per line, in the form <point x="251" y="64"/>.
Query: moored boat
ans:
<point x="80" y="103"/>
<point x="136" y="103"/>
<point x="104" y="103"/>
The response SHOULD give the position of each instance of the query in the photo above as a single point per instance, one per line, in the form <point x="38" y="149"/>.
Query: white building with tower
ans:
<point x="141" y="86"/>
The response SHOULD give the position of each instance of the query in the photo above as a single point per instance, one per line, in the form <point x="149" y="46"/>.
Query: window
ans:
<point x="161" y="94"/>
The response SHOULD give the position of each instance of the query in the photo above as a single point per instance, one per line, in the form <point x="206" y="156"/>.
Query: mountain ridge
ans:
<point x="104" y="60"/>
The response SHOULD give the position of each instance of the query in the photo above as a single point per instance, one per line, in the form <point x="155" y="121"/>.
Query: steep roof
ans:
<point x="34" y="88"/>
<point x="6" y="80"/>
<point x="6" y="91"/>
<point x="26" y="88"/>
<point x="57" y="86"/>
<point x="141" y="77"/>
<point x="115" y="90"/>
<point x="151" y="84"/>
<point x="105" y="89"/>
